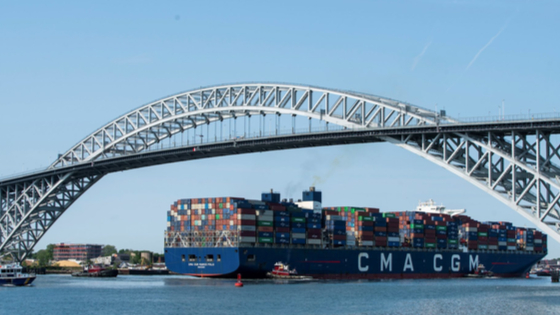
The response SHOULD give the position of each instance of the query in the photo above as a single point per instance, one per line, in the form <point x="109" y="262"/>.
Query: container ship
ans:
<point x="227" y="236"/>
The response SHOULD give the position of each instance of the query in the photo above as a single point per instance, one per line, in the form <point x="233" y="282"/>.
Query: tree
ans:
<point x="43" y="257"/>
<point x="108" y="250"/>
<point x="50" y="251"/>
<point x="136" y="259"/>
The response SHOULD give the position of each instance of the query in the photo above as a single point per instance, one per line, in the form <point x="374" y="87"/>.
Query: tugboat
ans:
<point x="282" y="271"/>
<point x="12" y="275"/>
<point x="96" y="271"/>
<point x="481" y="272"/>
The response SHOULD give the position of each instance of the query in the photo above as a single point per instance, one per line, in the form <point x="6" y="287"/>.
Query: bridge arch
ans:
<point x="152" y="123"/>
<point x="501" y="158"/>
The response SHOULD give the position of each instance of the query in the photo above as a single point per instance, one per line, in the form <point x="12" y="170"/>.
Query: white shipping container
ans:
<point x="298" y="235"/>
<point x="538" y="241"/>
<point x="493" y="247"/>
<point x="512" y="248"/>
<point x="246" y="217"/>
<point x="529" y="248"/>
<point x="471" y="229"/>
<point x="168" y="224"/>
<point x="366" y="243"/>
<point x="502" y="243"/>
<point x="189" y="212"/>
<point x="265" y="218"/>
<point x="393" y="239"/>
<point x="265" y="212"/>
<point x="313" y="242"/>
<point x="350" y="243"/>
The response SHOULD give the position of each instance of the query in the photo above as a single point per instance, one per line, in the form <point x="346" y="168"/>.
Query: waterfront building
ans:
<point x="81" y="252"/>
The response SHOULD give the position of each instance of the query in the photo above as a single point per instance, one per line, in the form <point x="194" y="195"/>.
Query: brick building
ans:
<point x="82" y="252"/>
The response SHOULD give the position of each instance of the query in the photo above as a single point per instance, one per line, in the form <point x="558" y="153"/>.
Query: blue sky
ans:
<point x="67" y="68"/>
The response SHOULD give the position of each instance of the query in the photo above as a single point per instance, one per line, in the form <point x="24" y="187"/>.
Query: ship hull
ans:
<point x="17" y="281"/>
<point x="356" y="263"/>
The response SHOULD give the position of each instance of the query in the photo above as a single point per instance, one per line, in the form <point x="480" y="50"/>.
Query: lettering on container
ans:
<point x="387" y="262"/>
<point x="473" y="263"/>
<point x="360" y="267"/>
<point x="408" y="263"/>
<point x="455" y="262"/>
<point x="436" y="267"/>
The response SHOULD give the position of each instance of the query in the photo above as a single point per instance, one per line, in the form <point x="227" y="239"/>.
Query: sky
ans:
<point x="67" y="68"/>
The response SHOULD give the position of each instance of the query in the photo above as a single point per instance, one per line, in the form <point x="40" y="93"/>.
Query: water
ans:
<point x="62" y="294"/>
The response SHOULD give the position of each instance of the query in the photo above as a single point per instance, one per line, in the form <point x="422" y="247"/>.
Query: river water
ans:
<point x="62" y="294"/>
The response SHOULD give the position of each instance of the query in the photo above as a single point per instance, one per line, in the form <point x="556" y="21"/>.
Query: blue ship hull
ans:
<point x="357" y="263"/>
<point x="21" y="281"/>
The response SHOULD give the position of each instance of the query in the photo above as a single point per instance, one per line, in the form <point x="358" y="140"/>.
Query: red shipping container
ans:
<point x="338" y="237"/>
<point x="393" y="229"/>
<point x="246" y="222"/>
<point x="366" y="237"/>
<point x="380" y="239"/>
<point x="363" y="233"/>
<point x="271" y="229"/>
<point x="247" y="233"/>
<point x="331" y="212"/>
<point x="246" y="211"/>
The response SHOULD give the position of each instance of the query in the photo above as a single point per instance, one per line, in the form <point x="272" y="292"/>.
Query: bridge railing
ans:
<point x="509" y="118"/>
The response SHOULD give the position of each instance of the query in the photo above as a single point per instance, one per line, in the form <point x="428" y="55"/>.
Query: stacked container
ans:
<point x="335" y="227"/>
<point x="452" y="235"/>
<point x="269" y="221"/>
<point x="246" y="223"/>
<point x="380" y="230"/>
<point x="393" y="239"/>
<point x="314" y="227"/>
<point x="298" y="223"/>
<point x="281" y="227"/>
<point x="470" y="234"/>
<point x="482" y="236"/>
<point x="365" y="229"/>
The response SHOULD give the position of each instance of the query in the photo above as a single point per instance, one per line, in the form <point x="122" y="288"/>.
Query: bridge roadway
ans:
<point x="516" y="161"/>
<point x="272" y="143"/>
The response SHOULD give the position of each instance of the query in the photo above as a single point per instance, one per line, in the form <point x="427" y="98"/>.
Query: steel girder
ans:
<point x="148" y="125"/>
<point x="30" y="208"/>
<point x="516" y="168"/>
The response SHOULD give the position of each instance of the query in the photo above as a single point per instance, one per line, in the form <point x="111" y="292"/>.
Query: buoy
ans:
<point x="527" y="276"/>
<point x="239" y="283"/>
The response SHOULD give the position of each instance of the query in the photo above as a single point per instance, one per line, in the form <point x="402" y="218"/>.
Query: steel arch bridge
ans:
<point x="515" y="161"/>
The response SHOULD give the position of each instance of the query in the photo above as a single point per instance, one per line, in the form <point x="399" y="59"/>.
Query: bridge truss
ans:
<point x="515" y="165"/>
